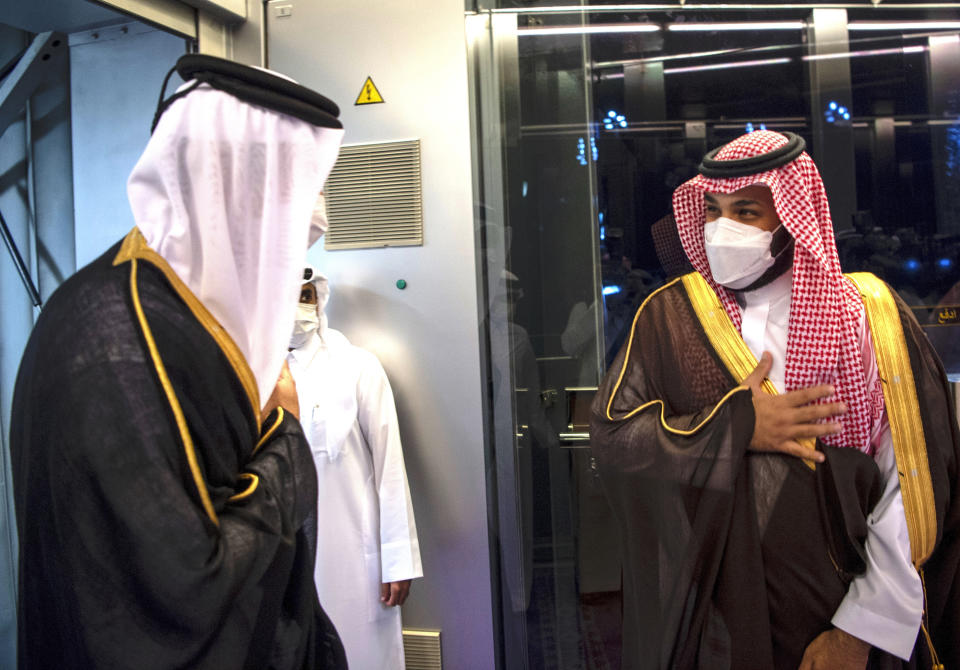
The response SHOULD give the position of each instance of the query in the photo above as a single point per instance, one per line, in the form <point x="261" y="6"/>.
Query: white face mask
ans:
<point x="306" y="323"/>
<point x="738" y="253"/>
<point x="318" y="221"/>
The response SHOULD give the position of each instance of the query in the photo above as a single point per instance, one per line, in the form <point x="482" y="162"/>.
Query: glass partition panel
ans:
<point x="586" y="121"/>
<point x="537" y="223"/>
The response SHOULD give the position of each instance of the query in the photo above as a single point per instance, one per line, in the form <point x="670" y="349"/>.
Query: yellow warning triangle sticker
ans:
<point x="369" y="94"/>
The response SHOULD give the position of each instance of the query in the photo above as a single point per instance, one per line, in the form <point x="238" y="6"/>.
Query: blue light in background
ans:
<point x="613" y="120"/>
<point x="945" y="263"/>
<point x="603" y="231"/>
<point x="582" y="156"/>
<point x="524" y="189"/>
<point x="835" y="111"/>
<point x="953" y="151"/>
<point x="912" y="264"/>
<point x="611" y="290"/>
<point x="749" y="127"/>
<point x="581" y="151"/>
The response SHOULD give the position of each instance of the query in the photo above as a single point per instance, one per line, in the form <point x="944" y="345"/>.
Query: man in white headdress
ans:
<point x="367" y="548"/>
<point x="165" y="493"/>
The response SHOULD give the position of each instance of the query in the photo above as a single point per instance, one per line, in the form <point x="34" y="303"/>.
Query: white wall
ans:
<point x="428" y="334"/>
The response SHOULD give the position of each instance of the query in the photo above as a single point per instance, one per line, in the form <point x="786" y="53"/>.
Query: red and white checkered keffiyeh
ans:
<point x="823" y="343"/>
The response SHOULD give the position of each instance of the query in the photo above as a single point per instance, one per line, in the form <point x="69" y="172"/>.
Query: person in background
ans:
<point x="778" y="443"/>
<point x="367" y="548"/>
<point x="164" y="488"/>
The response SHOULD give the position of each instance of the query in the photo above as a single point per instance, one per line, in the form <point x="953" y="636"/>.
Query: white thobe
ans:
<point x="366" y="533"/>
<point x="884" y="605"/>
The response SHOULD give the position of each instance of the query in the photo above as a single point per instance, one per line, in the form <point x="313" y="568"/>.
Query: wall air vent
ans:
<point x="374" y="197"/>
<point x="421" y="649"/>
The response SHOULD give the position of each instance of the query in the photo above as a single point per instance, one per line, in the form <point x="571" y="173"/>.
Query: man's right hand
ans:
<point x="284" y="395"/>
<point x="782" y="420"/>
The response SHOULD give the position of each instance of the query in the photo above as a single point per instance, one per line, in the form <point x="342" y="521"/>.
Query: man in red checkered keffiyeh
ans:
<point x="736" y="554"/>
<point x="826" y="313"/>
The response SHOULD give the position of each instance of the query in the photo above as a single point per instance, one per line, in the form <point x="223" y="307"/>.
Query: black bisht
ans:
<point x="121" y="565"/>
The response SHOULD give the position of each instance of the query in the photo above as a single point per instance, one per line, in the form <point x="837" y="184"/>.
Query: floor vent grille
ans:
<point x="422" y="649"/>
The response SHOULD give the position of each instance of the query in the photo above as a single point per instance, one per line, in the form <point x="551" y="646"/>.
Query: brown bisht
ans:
<point x="737" y="559"/>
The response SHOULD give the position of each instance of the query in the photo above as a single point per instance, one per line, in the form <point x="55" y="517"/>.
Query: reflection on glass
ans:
<point x="891" y="123"/>
<point x="603" y="113"/>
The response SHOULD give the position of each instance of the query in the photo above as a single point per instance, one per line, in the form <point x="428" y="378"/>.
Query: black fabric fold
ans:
<point x="849" y="485"/>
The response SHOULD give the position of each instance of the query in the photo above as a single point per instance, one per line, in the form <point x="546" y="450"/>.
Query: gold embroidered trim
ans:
<point x="134" y="246"/>
<point x="171" y="398"/>
<point x="925" y="626"/>
<point x="633" y="412"/>
<point x="721" y="332"/>
<point x="273" y="428"/>
<point x="903" y="413"/>
<point x="626" y="358"/>
<point x="727" y="341"/>
<point x="680" y="431"/>
<point x="254" y="482"/>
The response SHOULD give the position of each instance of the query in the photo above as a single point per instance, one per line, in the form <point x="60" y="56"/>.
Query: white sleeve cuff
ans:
<point x="400" y="561"/>
<point x="893" y="637"/>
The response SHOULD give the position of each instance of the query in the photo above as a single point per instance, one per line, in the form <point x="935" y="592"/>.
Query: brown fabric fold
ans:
<point x="734" y="559"/>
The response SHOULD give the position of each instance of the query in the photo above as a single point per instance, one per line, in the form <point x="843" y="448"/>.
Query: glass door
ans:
<point x="537" y="221"/>
<point x="586" y="119"/>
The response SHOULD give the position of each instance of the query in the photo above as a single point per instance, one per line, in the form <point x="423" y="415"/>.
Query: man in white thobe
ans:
<point x="367" y="548"/>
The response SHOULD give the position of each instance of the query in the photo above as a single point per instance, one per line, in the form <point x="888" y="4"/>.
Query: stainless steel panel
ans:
<point x="426" y="335"/>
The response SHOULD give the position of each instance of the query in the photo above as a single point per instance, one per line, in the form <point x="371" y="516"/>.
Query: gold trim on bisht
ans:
<point x="251" y="487"/>
<point x="133" y="249"/>
<point x="271" y="430"/>
<point x="254" y="479"/>
<point x="171" y="398"/>
<point x="651" y="403"/>
<point x="903" y="413"/>
<point x="726" y="339"/>
<point x="135" y="246"/>
<point x="723" y="335"/>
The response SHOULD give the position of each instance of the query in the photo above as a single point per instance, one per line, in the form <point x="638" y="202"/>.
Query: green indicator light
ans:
<point x="401" y="284"/>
